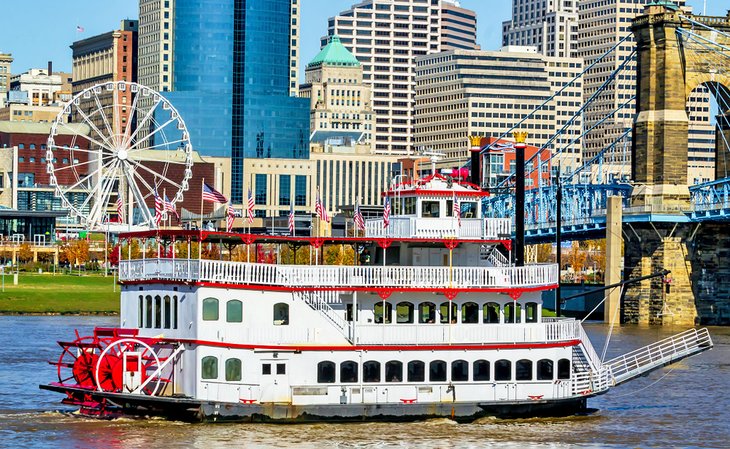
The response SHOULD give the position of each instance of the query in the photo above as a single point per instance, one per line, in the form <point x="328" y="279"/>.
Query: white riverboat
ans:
<point x="433" y="320"/>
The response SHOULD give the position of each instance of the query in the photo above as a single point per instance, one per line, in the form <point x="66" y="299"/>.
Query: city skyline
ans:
<point x="30" y="51"/>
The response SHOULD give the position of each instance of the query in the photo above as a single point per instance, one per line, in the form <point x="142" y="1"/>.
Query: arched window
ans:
<point x="502" y="370"/>
<point x="325" y="373"/>
<point x="394" y="371"/>
<point x="348" y="372"/>
<point x="378" y="311"/>
<point x="416" y="371"/>
<point x="210" y="309"/>
<point x="148" y="310"/>
<point x="545" y="369"/>
<point x="233" y="370"/>
<point x="437" y="371"/>
<point x="563" y="369"/>
<point x="512" y="312"/>
<point x="158" y="312"/>
<point x="481" y="370"/>
<point x="209" y="368"/>
<point x="491" y="313"/>
<point x="523" y="370"/>
<point x="140" y="317"/>
<point x="281" y="314"/>
<point x="167" y="312"/>
<point x="371" y="371"/>
<point x="531" y="312"/>
<point x="459" y="371"/>
<point x="234" y="311"/>
<point x="427" y="312"/>
<point x="404" y="312"/>
<point x="445" y="316"/>
<point x="174" y="312"/>
<point x="470" y="312"/>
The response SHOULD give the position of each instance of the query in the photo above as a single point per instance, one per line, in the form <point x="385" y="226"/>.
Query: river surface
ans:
<point x="684" y="405"/>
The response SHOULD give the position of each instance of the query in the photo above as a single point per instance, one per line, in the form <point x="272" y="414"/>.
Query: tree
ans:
<point x="545" y="253"/>
<point x="577" y="257"/>
<point x="25" y="252"/>
<point x="75" y="252"/>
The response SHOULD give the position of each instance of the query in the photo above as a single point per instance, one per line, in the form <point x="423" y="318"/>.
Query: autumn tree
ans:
<point x="75" y="252"/>
<point x="25" y="252"/>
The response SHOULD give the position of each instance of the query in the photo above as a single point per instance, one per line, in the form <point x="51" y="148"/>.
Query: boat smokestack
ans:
<point x="476" y="160"/>
<point x="520" y="138"/>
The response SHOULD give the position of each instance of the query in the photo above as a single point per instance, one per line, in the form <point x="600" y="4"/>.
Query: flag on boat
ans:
<point x="251" y="204"/>
<point x="212" y="195"/>
<point x="120" y="208"/>
<point x="320" y="210"/>
<point x="457" y="210"/>
<point x="79" y="29"/>
<point x="358" y="218"/>
<point x="386" y="212"/>
<point x="291" y="219"/>
<point x="159" y="208"/>
<point x="231" y="217"/>
<point x="169" y="207"/>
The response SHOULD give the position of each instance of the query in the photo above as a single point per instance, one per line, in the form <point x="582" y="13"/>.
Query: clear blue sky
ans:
<point x="42" y="30"/>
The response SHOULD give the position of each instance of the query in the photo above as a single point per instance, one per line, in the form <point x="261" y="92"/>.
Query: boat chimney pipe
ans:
<point x="520" y="138"/>
<point x="476" y="160"/>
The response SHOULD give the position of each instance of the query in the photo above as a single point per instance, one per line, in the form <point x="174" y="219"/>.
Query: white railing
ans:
<point x="314" y="276"/>
<point x="428" y="228"/>
<point x="497" y="259"/>
<point x="430" y="334"/>
<point x="316" y="302"/>
<point x="586" y="383"/>
<point x="658" y="354"/>
<point x="588" y="348"/>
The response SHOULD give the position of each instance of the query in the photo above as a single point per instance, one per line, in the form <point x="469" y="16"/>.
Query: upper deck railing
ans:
<point x="427" y="228"/>
<point x="337" y="276"/>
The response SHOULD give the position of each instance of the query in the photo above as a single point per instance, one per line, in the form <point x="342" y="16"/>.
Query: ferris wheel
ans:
<point x="125" y="147"/>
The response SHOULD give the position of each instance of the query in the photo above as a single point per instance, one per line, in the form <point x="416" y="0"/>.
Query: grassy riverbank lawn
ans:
<point x="65" y="294"/>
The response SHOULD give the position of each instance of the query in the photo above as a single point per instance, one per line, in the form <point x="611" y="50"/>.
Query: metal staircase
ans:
<point x="659" y="354"/>
<point x="315" y="300"/>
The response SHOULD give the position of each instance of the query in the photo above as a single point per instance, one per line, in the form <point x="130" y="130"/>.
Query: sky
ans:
<point x="38" y="31"/>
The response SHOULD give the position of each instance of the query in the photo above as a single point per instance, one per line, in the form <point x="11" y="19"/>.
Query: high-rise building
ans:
<point x="340" y="103"/>
<point x="230" y="69"/>
<point x="6" y="61"/>
<point x="461" y="93"/>
<point x="550" y="26"/>
<point x="386" y="36"/>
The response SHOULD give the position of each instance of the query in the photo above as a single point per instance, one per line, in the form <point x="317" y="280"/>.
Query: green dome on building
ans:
<point x="334" y="53"/>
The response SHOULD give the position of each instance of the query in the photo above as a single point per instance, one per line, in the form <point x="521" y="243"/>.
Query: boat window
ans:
<point x="281" y="368"/>
<point x="437" y="371"/>
<point x="427" y="312"/>
<point x="502" y="370"/>
<point x="140" y="317"/>
<point x="468" y="209"/>
<point x="512" y="312"/>
<point x="166" y="315"/>
<point x="281" y="314"/>
<point x="394" y="371"/>
<point x="459" y="371"/>
<point x="148" y="311"/>
<point x="371" y="371"/>
<point x="209" y="368"/>
<point x="210" y="309"/>
<point x="266" y="368"/>
<point x="416" y="371"/>
<point x="409" y="206"/>
<point x="491" y="313"/>
<point x="404" y="312"/>
<point x="430" y="209"/>
<point x="481" y="370"/>
<point x="233" y="370"/>
<point x="234" y="311"/>
<point x="523" y="369"/>
<point x="174" y="312"/>
<point x="378" y="310"/>
<point x="325" y="373"/>
<point x="444" y="309"/>
<point x="563" y="369"/>
<point x="348" y="372"/>
<point x="531" y="312"/>
<point x="158" y="312"/>
<point x="470" y="312"/>
<point x="545" y="369"/>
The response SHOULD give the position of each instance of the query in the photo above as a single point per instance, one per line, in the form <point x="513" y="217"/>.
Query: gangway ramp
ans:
<point x="661" y="353"/>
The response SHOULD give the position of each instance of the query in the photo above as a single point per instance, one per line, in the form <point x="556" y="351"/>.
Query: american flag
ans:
<point x="231" y="217"/>
<point x="358" y="218"/>
<point x="79" y="29"/>
<point x="457" y="209"/>
<point x="320" y="210"/>
<point x="251" y="204"/>
<point x="159" y="208"/>
<point x="169" y="207"/>
<point x="386" y="212"/>
<point x="120" y="208"/>
<point x="291" y="219"/>
<point x="212" y="195"/>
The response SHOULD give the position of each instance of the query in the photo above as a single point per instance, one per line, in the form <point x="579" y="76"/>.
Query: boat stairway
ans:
<point x="317" y="301"/>
<point x="656" y="355"/>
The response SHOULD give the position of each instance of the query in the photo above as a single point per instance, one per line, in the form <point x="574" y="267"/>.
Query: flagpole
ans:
<point x="202" y="188"/>
<point x="164" y="205"/>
